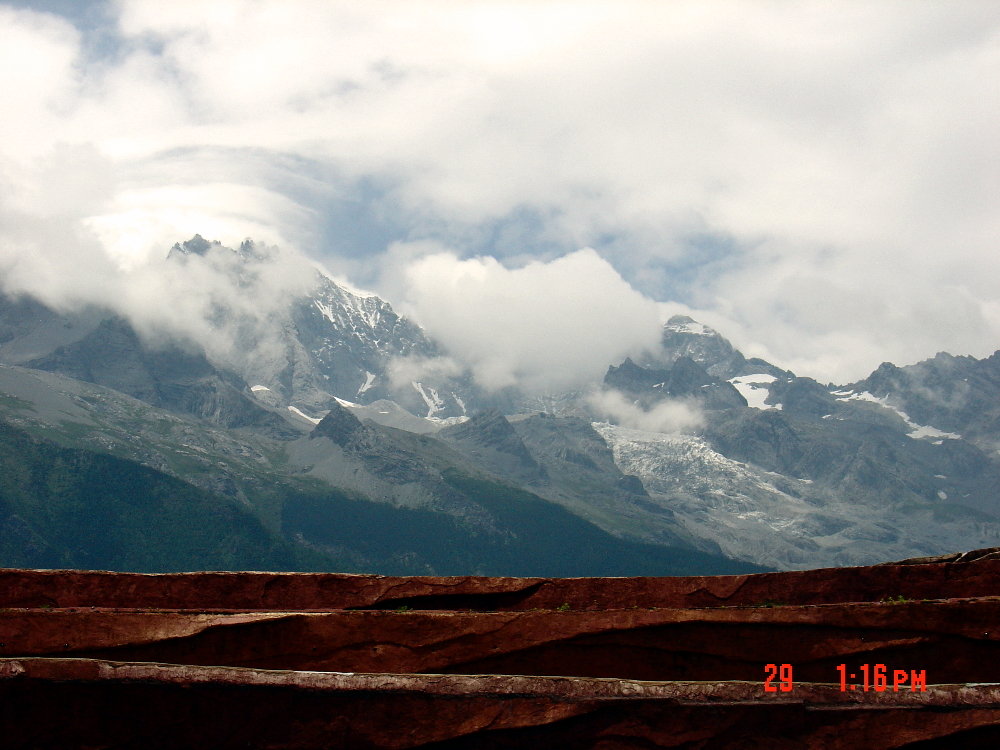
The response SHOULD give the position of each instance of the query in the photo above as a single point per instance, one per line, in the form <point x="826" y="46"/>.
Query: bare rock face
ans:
<point x="952" y="640"/>
<point x="970" y="574"/>
<point x="901" y="655"/>
<point x="339" y="425"/>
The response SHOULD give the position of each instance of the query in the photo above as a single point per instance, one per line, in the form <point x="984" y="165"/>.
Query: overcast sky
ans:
<point x="820" y="181"/>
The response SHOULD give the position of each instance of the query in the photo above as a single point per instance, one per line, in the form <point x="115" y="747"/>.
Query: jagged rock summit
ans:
<point x="683" y="379"/>
<point x="685" y="337"/>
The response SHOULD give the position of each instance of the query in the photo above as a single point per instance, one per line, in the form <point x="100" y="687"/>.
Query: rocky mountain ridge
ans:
<point x="779" y="471"/>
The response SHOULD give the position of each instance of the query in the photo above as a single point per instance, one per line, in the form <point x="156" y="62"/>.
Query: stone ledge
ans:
<point x="79" y="702"/>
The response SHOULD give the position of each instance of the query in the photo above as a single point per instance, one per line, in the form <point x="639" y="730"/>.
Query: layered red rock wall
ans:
<point x="321" y="591"/>
<point x="305" y="661"/>
<point x="953" y="640"/>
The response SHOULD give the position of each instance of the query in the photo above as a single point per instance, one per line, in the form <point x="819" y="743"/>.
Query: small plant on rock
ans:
<point x="899" y="599"/>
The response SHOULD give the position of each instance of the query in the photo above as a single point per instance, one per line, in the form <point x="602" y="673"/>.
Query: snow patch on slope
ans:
<point x="369" y="382"/>
<point x="916" y="432"/>
<point x="447" y="421"/>
<point x="692" y="326"/>
<point x="926" y="431"/>
<point x="430" y="397"/>
<point x="300" y="413"/>
<point x="754" y="389"/>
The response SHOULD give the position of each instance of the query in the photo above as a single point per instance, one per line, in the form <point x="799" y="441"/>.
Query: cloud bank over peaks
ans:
<point x="228" y="302"/>
<point x="545" y="327"/>
<point x="819" y="177"/>
<point x="231" y="302"/>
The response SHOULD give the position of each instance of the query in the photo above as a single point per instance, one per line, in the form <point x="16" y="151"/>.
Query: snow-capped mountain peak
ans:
<point x="686" y="337"/>
<point x="309" y="337"/>
<point x="684" y="324"/>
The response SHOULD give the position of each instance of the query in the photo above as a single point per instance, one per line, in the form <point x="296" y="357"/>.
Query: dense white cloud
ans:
<point x="837" y="317"/>
<point x="232" y="307"/>
<point x="671" y="416"/>
<point x="545" y="326"/>
<point x="845" y="154"/>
